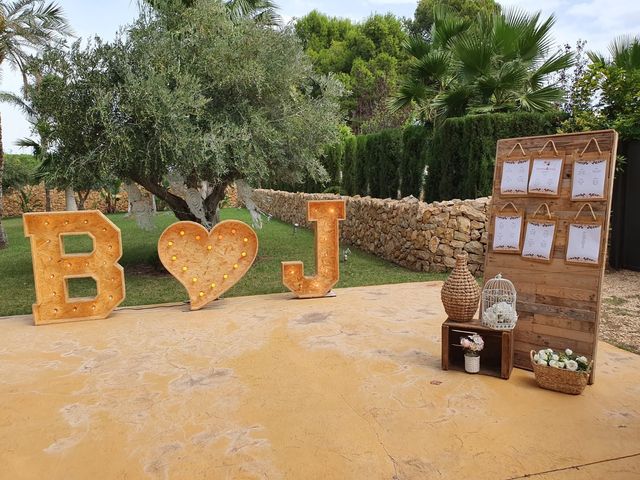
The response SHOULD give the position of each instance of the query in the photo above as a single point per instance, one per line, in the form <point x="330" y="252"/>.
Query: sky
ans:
<point x="596" y="21"/>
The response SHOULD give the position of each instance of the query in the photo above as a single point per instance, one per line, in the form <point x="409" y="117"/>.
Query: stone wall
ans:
<point x="95" y="200"/>
<point x="417" y="235"/>
<point x="231" y="196"/>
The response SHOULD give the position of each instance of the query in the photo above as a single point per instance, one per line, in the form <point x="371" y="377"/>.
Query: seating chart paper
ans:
<point x="545" y="176"/>
<point x="507" y="232"/>
<point x="538" y="240"/>
<point x="515" y="175"/>
<point x="583" y="244"/>
<point x="588" y="179"/>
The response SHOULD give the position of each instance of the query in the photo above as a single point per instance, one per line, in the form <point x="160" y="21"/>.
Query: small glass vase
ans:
<point x="471" y="363"/>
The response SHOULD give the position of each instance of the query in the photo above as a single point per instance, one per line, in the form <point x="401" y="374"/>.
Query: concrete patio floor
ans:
<point x="270" y="387"/>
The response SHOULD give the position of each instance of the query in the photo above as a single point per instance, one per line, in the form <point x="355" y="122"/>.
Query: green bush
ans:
<point x="361" y="181"/>
<point x="384" y="152"/>
<point x="381" y="165"/>
<point x="332" y="162"/>
<point x="20" y="174"/>
<point x="335" y="189"/>
<point x="462" y="153"/>
<point x="415" y="140"/>
<point x="370" y="162"/>
<point x="348" y="165"/>
<point x="19" y="171"/>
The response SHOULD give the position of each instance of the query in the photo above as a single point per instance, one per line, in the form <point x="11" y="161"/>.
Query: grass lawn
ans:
<point x="147" y="283"/>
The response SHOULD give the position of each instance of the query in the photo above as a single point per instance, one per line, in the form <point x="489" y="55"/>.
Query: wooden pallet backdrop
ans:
<point x="558" y="303"/>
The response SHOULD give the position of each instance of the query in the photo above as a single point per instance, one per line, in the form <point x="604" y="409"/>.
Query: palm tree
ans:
<point x="40" y="144"/>
<point x="262" y="11"/>
<point x="39" y="151"/>
<point x="624" y="52"/>
<point x="498" y="63"/>
<point x="25" y="25"/>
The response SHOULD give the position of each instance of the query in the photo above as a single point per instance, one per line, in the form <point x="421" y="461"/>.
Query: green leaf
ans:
<point x="541" y="99"/>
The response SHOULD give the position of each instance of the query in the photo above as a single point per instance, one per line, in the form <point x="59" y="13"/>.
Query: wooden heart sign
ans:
<point x="208" y="263"/>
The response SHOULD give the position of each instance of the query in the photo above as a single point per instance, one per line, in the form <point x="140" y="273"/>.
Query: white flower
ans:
<point x="536" y="357"/>
<point x="543" y="354"/>
<point x="561" y="364"/>
<point x="542" y="362"/>
<point x="490" y="316"/>
<point x="548" y="350"/>
<point x="553" y="363"/>
<point x="500" y="312"/>
<point x="572" y="365"/>
<point x="582" y="360"/>
<point x="555" y="357"/>
<point x="569" y="352"/>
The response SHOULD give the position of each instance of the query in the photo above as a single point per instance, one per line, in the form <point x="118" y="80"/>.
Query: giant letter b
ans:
<point x="52" y="267"/>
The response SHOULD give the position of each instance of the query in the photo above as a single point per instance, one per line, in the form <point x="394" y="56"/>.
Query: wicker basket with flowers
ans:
<point x="563" y="372"/>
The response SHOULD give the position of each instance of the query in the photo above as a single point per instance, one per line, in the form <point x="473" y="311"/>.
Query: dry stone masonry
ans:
<point x="95" y="201"/>
<point x="417" y="235"/>
<point x="13" y="206"/>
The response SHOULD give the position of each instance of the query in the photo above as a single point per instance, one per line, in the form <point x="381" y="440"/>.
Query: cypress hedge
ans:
<point x="415" y="140"/>
<point x="333" y="160"/>
<point x="348" y="165"/>
<point x="461" y="155"/>
<point x="384" y="152"/>
<point x="361" y="181"/>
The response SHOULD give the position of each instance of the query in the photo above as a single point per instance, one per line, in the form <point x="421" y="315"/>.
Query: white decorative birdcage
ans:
<point x="499" y="304"/>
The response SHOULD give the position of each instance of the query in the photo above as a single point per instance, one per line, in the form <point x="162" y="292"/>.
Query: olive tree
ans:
<point x="207" y="99"/>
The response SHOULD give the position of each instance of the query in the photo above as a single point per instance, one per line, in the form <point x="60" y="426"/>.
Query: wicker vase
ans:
<point x="460" y="293"/>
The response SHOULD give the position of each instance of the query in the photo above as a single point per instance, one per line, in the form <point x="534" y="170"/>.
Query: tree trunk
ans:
<point x="70" y="198"/>
<point x="43" y="153"/>
<point x="47" y="199"/>
<point x="177" y="205"/>
<point x="212" y="202"/>
<point x="4" y="242"/>
<point x="82" y="198"/>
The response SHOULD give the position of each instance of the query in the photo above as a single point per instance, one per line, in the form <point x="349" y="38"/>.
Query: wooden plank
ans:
<point x="507" y="354"/>
<point x="567" y="293"/>
<point x="589" y="306"/>
<point x="529" y="340"/>
<point x="566" y="323"/>
<point x="521" y="359"/>
<point x="557" y="266"/>
<point x="540" y="277"/>
<point x="557" y="311"/>
<point x="562" y="332"/>
<point x="567" y="297"/>
<point x="445" y="347"/>
<point x="559" y="304"/>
